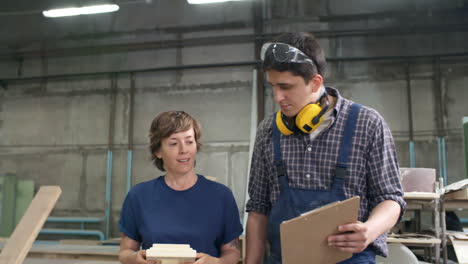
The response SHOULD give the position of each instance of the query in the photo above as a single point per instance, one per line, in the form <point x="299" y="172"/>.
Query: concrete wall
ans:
<point x="56" y="130"/>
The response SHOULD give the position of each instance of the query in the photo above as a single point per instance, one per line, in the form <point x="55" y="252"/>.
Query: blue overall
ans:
<point x="294" y="201"/>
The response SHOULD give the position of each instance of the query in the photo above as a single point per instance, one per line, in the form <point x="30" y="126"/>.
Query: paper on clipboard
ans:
<point x="304" y="238"/>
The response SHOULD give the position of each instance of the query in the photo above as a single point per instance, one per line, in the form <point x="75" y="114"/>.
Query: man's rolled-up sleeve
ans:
<point x="384" y="172"/>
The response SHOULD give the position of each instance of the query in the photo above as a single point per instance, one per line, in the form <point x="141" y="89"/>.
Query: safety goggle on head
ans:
<point x="282" y="52"/>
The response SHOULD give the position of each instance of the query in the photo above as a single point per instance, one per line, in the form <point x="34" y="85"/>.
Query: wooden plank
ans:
<point x="67" y="261"/>
<point x="26" y="231"/>
<point x="455" y="204"/>
<point x="66" y="251"/>
<point x="414" y="241"/>
<point x="75" y="256"/>
<point x="457" y="195"/>
<point x="461" y="249"/>
<point x="420" y="195"/>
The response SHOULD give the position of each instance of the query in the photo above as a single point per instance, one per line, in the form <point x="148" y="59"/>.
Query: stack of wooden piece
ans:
<point x="171" y="253"/>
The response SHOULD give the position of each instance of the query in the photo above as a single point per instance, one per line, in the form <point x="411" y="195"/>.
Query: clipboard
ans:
<point x="303" y="239"/>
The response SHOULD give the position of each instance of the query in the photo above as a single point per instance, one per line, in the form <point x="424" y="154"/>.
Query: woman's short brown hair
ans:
<point x="166" y="124"/>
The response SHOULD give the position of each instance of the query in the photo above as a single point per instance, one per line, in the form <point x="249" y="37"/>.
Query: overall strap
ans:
<point x="278" y="156"/>
<point x="347" y="141"/>
<point x="281" y="172"/>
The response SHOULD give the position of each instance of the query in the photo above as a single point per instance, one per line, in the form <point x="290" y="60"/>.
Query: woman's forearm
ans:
<point x="230" y="252"/>
<point x="128" y="256"/>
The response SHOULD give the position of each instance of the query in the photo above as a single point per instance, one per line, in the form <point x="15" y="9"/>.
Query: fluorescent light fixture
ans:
<point x="85" y="10"/>
<point x="197" y="2"/>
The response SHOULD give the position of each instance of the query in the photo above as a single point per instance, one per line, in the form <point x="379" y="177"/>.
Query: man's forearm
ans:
<point x="256" y="238"/>
<point x="384" y="216"/>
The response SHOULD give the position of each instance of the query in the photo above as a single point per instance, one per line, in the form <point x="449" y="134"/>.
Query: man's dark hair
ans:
<point x="306" y="43"/>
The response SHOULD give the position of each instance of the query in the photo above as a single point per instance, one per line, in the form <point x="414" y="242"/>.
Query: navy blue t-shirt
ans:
<point x="204" y="216"/>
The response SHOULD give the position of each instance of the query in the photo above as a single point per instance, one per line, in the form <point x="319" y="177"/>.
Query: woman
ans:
<point x="180" y="207"/>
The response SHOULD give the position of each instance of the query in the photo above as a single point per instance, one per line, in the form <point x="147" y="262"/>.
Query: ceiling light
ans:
<point x="85" y="10"/>
<point x="196" y="2"/>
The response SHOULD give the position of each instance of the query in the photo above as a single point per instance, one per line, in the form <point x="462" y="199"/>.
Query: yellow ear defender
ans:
<point x="307" y="120"/>
<point x="282" y="124"/>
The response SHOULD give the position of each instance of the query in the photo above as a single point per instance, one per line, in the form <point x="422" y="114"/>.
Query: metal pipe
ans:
<point x="93" y="74"/>
<point x="55" y="219"/>
<point x="113" y="97"/>
<point x="5" y="81"/>
<point x="410" y="114"/>
<point x="411" y="152"/>
<point x="108" y="191"/>
<point x="253" y="130"/>
<point x="73" y="232"/>
<point x="129" y="47"/>
<point x="437" y="226"/>
<point x="439" y="157"/>
<point x="223" y="40"/>
<point x="130" y="131"/>
<point x="465" y="141"/>
<point x="110" y="151"/>
<point x="444" y="161"/>
<point x="438" y="98"/>
<point x="258" y="15"/>
<point x="440" y="112"/>
<point x="131" y="109"/>
<point x="129" y="169"/>
<point x="443" y="225"/>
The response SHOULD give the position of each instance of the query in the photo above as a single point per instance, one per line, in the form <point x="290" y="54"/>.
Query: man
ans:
<point x="322" y="143"/>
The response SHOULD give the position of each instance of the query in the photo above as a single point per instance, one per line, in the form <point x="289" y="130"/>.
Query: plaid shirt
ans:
<point x="373" y="171"/>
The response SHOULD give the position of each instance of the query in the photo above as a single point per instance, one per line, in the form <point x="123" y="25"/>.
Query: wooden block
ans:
<point x="458" y="235"/>
<point x="461" y="249"/>
<point x="457" y="195"/>
<point x="171" y="253"/>
<point x="26" y="231"/>
<point x="418" y="179"/>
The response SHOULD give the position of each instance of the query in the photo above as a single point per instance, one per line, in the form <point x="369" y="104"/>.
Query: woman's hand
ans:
<point x="203" y="258"/>
<point x="130" y="252"/>
<point x="142" y="257"/>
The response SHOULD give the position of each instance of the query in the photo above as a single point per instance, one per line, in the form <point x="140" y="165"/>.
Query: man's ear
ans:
<point x="316" y="81"/>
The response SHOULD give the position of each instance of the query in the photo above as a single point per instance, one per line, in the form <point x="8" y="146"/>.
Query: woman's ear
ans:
<point x="158" y="155"/>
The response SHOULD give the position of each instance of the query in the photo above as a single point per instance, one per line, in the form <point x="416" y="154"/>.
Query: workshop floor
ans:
<point x="65" y="261"/>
